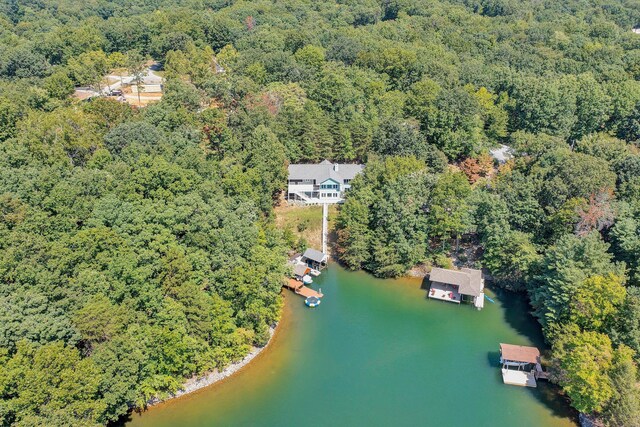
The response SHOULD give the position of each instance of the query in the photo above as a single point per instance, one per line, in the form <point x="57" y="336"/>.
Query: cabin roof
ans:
<point x="314" y="255"/>
<point x="468" y="280"/>
<point x="520" y="353"/>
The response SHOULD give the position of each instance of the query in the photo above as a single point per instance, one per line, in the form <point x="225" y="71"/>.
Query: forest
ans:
<point x="138" y="245"/>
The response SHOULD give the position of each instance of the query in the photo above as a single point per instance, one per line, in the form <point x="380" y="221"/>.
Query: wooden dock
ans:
<point x="301" y="289"/>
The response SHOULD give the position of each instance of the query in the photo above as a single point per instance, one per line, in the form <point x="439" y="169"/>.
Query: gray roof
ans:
<point x="468" y="280"/>
<point x="325" y="170"/>
<point x="300" y="269"/>
<point x="314" y="255"/>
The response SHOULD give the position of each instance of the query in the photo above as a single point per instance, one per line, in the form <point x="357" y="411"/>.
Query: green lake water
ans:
<point x="377" y="353"/>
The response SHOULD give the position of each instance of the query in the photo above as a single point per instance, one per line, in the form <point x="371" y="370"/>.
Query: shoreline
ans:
<point x="196" y="383"/>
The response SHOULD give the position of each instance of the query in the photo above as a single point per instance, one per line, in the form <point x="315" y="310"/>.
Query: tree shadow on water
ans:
<point x="493" y="357"/>
<point x="123" y="420"/>
<point x="426" y="284"/>
<point x="550" y="395"/>
<point x="517" y="314"/>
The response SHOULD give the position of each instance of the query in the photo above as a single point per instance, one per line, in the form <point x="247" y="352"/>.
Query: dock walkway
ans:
<point x="541" y="374"/>
<point x="302" y="290"/>
<point x="479" y="301"/>
<point x="325" y="227"/>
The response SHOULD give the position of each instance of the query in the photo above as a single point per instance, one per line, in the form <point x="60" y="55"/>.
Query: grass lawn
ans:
<point x="303" y="221"/>
<point x="306" y="222"/>
<point x="333" y="214"/>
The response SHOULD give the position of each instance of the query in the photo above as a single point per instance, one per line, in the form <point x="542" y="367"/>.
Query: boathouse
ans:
<point x="521" y="365"/>
<point x="300" y="270"/>
<point x="457" y="286"/>
<point x="315" y="259"/>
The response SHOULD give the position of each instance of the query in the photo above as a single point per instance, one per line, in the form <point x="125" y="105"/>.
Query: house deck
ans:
<point x="444" y="292"/>
<point x="315" y="200"/>
<point x="520" y="378"/>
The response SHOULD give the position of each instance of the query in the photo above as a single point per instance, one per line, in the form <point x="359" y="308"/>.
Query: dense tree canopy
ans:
<point x="137" y="246"/>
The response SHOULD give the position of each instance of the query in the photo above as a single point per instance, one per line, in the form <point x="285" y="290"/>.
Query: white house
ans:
<point x="325" y="182"/>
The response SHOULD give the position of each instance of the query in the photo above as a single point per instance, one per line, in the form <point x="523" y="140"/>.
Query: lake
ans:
<point x="377" y="352"/>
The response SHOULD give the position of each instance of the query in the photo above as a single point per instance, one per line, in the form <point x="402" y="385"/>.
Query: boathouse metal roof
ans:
<point x="520" y="353"/>
<point x="468" y="280"/>
<point x="314" y="255"/>
<point x="301" y="269"/>
<point x="323" y="171"/>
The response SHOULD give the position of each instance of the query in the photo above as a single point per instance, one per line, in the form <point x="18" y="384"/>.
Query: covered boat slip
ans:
<point x="314" y="259"/>
<point x="300" y="270"/>
<point x="464" y="285"/>
<point x="521" y="365"/>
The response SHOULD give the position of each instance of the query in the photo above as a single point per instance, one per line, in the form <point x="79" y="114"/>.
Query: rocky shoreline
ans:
<point x="197" y="382"/>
